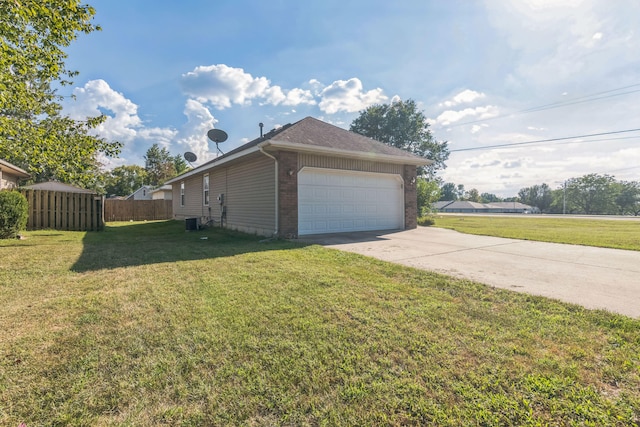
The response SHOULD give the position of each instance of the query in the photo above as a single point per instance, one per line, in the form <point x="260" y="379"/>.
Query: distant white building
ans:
<point x="142" y="193"/>
<point x="162" y="193"/>
<point x="459" y="206"/>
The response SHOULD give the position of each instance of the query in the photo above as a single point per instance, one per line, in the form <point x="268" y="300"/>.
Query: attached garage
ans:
<point x="309" y="177"/>
<point x="335" y="201"/>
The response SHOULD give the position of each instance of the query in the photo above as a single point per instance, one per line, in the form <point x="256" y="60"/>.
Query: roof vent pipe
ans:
<point x="261" y="126"/>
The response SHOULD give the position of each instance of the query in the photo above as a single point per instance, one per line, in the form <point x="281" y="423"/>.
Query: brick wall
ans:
<point x="288" y="194"/>
<point x="410" y="198"/>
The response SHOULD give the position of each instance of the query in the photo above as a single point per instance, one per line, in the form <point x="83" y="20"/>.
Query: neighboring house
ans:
<point x="305" y="178"/>
<point x="10" y="175"/>
<point x="142" y="193"/>
<point x="162" y="193"/>
<point x="57" y="186"/>
<point x="474" y="207"/>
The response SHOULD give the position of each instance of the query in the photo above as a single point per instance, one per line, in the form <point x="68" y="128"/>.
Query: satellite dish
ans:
<point x="217" y="135"/>
<point x="190" y="157"/>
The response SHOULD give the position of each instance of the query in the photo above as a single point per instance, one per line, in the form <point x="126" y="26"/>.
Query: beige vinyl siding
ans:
<point x="7" y="180"/>
<point x="249" y="196"/>
<point x="192" y="198"/>
<point x="316" y="161"/>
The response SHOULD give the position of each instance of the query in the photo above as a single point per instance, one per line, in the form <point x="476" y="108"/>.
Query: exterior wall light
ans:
<point x="290" y="172"/>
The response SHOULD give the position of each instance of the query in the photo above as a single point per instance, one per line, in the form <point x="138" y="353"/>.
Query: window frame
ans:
<point x="206" y="190"/>
<point x="182" y="197"/>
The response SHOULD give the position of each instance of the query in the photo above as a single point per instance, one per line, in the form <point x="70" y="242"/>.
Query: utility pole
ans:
<point x="564" y="198"/>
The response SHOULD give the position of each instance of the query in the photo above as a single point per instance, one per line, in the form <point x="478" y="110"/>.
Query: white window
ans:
<point x="205" y="190"/>
<point x="182" y="193"/>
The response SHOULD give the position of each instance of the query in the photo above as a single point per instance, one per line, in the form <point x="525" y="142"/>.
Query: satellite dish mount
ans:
<point x="217" y="136"/>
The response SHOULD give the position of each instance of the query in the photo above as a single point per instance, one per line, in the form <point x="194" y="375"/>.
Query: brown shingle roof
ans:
<point x="310" y="134"/>
<point x="314" y="132"/>
<point x="57" y="186"/>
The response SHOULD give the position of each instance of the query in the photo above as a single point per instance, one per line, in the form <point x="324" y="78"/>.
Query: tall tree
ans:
<point x="33" y="132"/>
<point x="538" y="195"/>
<point x="472" y="195"/>
<point x="448" y="191"/>
<point x="428" y="193"/>
<point x="124" y="180"/>
<point x="628" y="197"/>
<point x="159" y="164"/>
<point x="591" y="194"/>
<point x="180" y="164"/>
<point x="489" y="198"/>
<point x="401" y="124"/>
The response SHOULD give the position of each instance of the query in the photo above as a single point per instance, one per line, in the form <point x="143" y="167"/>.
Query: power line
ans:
<point x="514" y="144"/>
<point x="558" y="104"/>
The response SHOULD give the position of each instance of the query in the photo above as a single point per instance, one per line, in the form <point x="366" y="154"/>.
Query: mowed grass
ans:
<point x="617" y="234"/>
<point x="146" y="324"/>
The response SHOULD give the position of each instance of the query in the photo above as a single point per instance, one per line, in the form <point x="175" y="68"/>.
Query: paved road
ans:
<point x="593" y="277"/>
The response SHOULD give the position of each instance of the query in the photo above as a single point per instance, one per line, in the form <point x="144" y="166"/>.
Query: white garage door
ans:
<point x="334" y="201"/>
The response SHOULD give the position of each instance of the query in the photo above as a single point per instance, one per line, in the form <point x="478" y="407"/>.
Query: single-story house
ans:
<point x="309" y="177"/>
<point x="10" y="175"/>
<point x="57" y="186"/>
<point x="460" y="206"/>
<point x="164" y="192"/>
<point x="142" y="193"/>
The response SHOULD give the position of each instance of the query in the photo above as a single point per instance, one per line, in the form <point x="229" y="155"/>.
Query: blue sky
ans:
<point x="166" y="72"/>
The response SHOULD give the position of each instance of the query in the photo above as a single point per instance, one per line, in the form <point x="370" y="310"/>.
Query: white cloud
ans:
<point x="193" y="134"/>
<point x="96" y="97"/>
<point x="478" y="128"/>
<point x="124" y="125"/>
<point x="349" y="96"/>
<point x="161" y="136"/>
<point x="316" y="86"/>
<point x="450" y="116"/>
<point x="465" y="97"/>
<point x="296" y="96"/>
<point x="223" y="86"/>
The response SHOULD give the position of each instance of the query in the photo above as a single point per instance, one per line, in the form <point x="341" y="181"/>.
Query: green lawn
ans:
<point x="146" y="324"/>
<point x="617" y="234"/>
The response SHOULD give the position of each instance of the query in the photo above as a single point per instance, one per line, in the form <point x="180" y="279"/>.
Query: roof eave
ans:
<point x="360" y="155"/>
<point x="14" y="170"/>
<point x="212" y="164"/>
<point x="305" y="148"/>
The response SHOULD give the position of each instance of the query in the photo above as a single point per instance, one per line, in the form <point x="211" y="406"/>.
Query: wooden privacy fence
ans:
<point x="64" y="211"/>
<point x="137" y="210"/>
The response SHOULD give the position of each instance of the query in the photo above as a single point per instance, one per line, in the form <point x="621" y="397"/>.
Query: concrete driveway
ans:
<point x="592" y="277"/>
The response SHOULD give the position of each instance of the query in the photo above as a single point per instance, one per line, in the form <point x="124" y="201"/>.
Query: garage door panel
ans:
<point x="331" y="201"/>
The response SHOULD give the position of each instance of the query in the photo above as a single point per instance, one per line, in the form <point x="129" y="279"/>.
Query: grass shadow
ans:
<point x="134" y="244"/>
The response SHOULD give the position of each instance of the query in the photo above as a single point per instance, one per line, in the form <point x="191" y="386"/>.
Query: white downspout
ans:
<point x="275" y="233"/>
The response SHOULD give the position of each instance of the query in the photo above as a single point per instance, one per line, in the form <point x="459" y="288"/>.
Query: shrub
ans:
<point x="14" y="212"/>
<point x="426" y="220"/>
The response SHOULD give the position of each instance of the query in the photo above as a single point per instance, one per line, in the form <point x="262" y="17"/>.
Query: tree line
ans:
<point x="591" y="194"/>
<point x="159" y="166"/>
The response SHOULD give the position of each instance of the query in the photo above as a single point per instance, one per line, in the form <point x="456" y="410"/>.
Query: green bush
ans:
<point x="14" y="212"/>
<point x="426" y="220"/>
